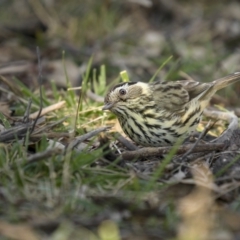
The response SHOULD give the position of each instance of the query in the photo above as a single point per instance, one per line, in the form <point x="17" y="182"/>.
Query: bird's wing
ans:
<point x="170" y="95"/>
<point x="174" y="96"/>
<point x="195" y="89"/>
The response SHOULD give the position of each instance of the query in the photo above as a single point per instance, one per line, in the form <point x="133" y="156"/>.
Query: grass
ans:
<point x="79" y="194"/>
<point x="71" y="186"/>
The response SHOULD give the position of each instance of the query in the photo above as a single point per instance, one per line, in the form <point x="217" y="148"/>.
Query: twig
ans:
<point x="27" y="112"/>
<point x="26" y="120"/>
<point x="203" y="133"/>
<point x="129" y="145"/>
<point x="47" y="110"/>
<point x="228" y="187"/>
<point x="77" y="110"/>
<point x="150" y="151"/>
<point x="46" y="128"/>
<point x="191" y="181"/>
<point x="15" y="132"/>
<point x="40" y="89"/>
<point x="84" y="137"/>
<point x="50" y="135"/>
<point x="42" y="155"/>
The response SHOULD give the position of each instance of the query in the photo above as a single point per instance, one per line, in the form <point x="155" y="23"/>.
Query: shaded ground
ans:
<point x="62" y="173"/>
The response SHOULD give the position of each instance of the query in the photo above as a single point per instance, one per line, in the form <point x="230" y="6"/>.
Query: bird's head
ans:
<point x="124" y="95"/>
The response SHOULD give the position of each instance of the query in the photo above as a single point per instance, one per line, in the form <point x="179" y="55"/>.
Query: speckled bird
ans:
<point x="159" y="113"/>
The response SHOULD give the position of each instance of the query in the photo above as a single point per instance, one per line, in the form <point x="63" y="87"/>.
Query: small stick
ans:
<point x="84" y="137"/>
<point x="27" y="112"/>
<point x="203" y="133"/>
<point x="51" y="135"/>
<point x="129" y="145"/>
<point x="47" y="127"/>
<point x="43" y="155"/>
<point x="152" y="151"/>
<point x="40" y="89"/>
<point x="46" y="110"/>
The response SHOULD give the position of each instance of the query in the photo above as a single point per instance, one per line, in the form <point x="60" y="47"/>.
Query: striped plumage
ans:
<point x="159" y="113"/>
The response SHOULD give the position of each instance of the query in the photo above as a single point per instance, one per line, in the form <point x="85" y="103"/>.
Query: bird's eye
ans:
<point x="122" y="91"/>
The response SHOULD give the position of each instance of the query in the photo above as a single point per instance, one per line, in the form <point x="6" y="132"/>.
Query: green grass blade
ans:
<point x="160" y="68"/>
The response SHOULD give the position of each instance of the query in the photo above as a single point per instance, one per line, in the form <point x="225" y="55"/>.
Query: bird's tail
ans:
<point x="219" y="84"/>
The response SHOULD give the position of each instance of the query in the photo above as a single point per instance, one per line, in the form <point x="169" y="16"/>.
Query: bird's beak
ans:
<point x="107" y="106"/>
